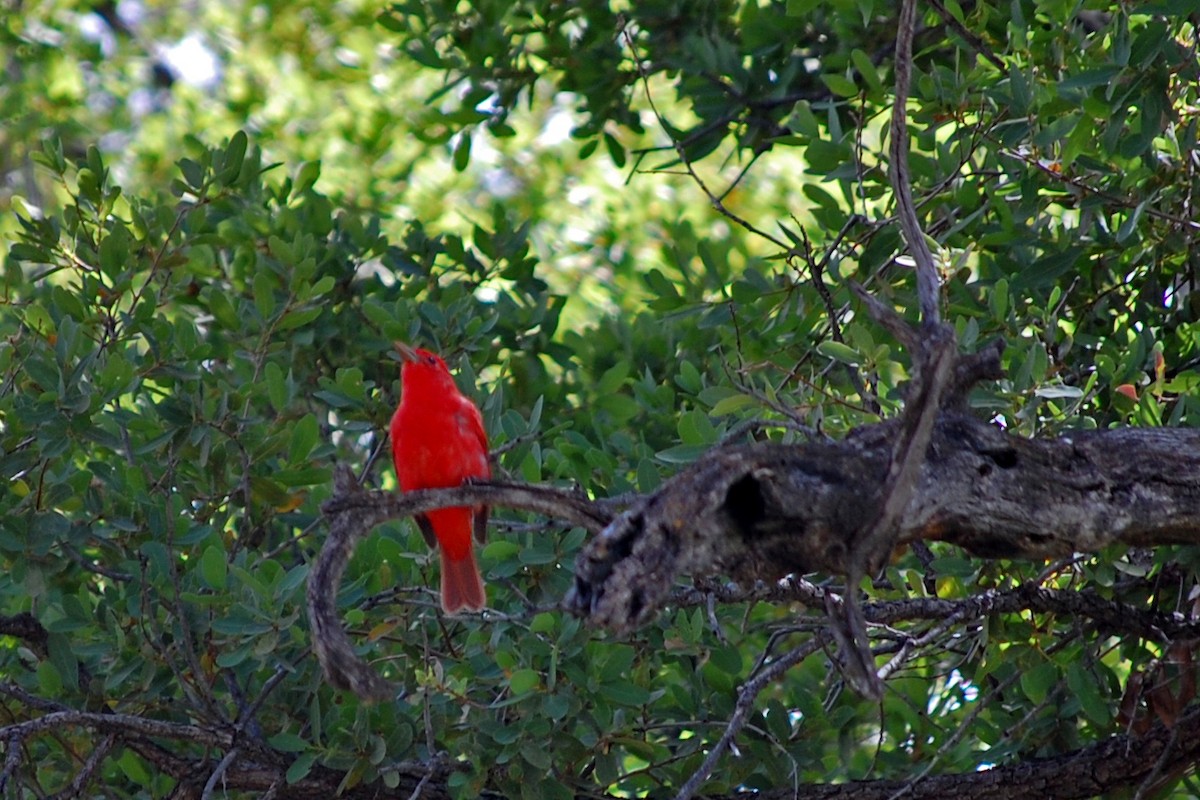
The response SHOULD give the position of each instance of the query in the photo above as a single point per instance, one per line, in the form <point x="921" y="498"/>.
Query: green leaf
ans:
<point x="305" y="433"/>
<point x="998" y="300"/>
<point x="733" y="404"/>
<point x="1086" y="689"/>
<point x="801" y="8"/>
<point x="681" y="454"/>
<point x="615" y="151"/>
<point x="501" y="550"/>
<point x="727" y="659"/>
<point x="839" y="352"/>
<point x="523" y="681"/>
<point x="277" y="391"/>
<point x="233" y="158"/>
<point x="840" y="85"/>
<point x="288" y="742"/>
<point x="50" y="682"/>
<point x="824" y="156"/>
<point x="213" y="567"/>
<point x="868" y="71"/>
<point x="306" y="177"/>
<point x="264" y="294"/>
<point x="134" y="768"/>
<point x="299" y="769"/>
<point x="544" y="622"/>
<point x="462" y="152"/>
<point x="1038" y="681"/>
<point x="1059" y="392"/>
<point x="689" y="378"/>
<point x="298" y="319"/>
<point x="66" y="663"/>
<point x="613" y="377"/>
<point x="193" y="174"/>
<point x="625" y="694"/>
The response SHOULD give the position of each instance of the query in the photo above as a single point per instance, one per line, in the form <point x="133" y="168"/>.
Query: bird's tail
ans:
<point x="462" y="585"/>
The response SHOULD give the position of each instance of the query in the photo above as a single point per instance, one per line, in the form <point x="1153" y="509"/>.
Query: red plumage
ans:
<point x="438" y="441"/>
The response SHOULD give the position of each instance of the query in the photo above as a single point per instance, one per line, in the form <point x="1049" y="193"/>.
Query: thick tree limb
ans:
<point x="764" y="511"/>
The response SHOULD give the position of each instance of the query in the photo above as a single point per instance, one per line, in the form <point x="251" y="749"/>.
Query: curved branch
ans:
<point x="747" y="694"/>
<point x="570" y="506"/>
<point x="353" y="512"/>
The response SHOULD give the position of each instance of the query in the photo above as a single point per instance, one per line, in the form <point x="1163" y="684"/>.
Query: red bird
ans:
<point x="438" y="441"/>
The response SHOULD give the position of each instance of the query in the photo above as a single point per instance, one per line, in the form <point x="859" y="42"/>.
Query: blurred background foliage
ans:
<point x="629" y="228"/>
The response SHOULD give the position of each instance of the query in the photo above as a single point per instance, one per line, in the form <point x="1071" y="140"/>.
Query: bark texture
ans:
<point x="763" y="511"/>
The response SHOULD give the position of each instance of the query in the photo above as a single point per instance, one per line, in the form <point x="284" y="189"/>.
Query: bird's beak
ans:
<point x="407" y="352"/>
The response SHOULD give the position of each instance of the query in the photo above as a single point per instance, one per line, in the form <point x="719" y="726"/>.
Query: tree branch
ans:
<point x="244" y="765"/>
<point x="764" y="511"/>
<point x="906" y="211"/>
<point x="353" y="513"/>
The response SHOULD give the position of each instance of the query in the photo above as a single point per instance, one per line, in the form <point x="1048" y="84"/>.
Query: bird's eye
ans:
<point x="430" y="360"/>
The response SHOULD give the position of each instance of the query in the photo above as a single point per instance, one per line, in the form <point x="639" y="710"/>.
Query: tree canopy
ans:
<point x="634" y="232"/>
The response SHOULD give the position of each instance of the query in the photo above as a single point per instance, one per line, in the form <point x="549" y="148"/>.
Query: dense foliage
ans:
<point x="630" y="231"/>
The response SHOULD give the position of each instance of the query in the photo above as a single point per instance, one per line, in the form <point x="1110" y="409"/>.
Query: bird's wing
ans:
<point x="426" y="528"/>
<point x="475" y="426"/>
<point x="481" y="516"/>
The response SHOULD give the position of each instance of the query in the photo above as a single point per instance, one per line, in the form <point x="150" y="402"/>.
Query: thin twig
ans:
<point x="716" y="202"/>
<point x="281" y="672"/>
<point x="967" y="724"/>
<point x="94" y="760"/>
<point x="1148" y="783"/>
<point x="933" y="356"/>
<point x="123" y="724"/>
<point x="741" y="712"/>
<point x="420" y="787"/>
<point x="977" y="44"/>
<point x="927" y="276"/>
<point x="380" y="444"/>
<point x="218" y="773"/>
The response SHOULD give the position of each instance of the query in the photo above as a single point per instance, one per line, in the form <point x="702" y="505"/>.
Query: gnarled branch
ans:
<point x="353" y="512"/>
<point x="764" y="511"/>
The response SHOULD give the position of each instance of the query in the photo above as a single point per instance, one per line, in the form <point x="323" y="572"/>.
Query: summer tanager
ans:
<point x="438" y="441"/>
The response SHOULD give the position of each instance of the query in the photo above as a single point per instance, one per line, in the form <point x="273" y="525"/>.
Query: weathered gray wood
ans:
<point x="763" y="511"/>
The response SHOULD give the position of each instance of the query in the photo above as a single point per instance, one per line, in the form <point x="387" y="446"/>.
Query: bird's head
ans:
<point x="421" y="365"/>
